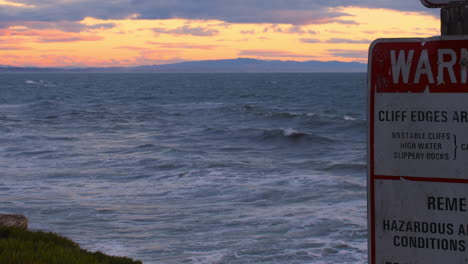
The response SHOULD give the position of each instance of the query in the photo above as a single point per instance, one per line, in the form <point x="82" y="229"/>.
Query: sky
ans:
<point x="105" y="33"/>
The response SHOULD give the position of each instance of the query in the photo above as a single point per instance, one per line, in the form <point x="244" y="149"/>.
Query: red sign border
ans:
<point x="427" y="3"/>
<point x="371" y="177"/>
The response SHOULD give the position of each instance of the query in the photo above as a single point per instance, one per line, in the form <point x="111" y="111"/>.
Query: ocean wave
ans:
<point x="355" y="120"/>
<point x="347" y="166"/>
<point x="45" y="104"/>
<point x="145" y="146"/>
<point x="304" y="115"/>
<point x="289" y="132"/>
<point x="211" y="257"/>
<point x="40" y="83"/>
<point x="357" y="123"/>
<point x="249" y="107"/>
<point x="8" y="119"/>
<point x="44" y="138"/>
<point x="248" y="95"/>
<point x="148" y="98"/>
<point x="275" y="113"/>
<point x="8" y="106"/>
<point x="35" y="153"/>
<point x="288" y="114"/>
<point x="292" y="134"/>
<point x="196" y="106"/>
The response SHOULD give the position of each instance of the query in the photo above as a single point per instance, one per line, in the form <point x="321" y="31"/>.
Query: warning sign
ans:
<point x="418" y="151"/>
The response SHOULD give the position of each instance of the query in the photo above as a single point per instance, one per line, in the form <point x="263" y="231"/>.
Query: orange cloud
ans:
<point x="69" y="39"/>
<point x="130" y="48"/>
<point x="12" y="48"/>
<point x="273" y="54"/>
<point x="187" y="30"/>
<point x="44" y="36"/>
<point x="182" y="45"/>
<point x="337" y="40"/>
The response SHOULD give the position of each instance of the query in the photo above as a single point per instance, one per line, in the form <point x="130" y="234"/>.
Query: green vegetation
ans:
<point x="19" y="246"/>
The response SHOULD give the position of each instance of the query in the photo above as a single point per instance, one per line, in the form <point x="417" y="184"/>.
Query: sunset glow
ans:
<point x="135" y="40"/>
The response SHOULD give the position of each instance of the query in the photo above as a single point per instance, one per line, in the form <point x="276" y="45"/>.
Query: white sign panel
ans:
<point x="418" y="151"/>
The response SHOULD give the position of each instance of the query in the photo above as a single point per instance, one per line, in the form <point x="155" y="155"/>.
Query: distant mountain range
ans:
<point x="206" y="66"/>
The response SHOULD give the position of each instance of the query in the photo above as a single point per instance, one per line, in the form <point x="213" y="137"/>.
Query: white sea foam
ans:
<point x="40" y="83"/>
<point x="114" y="249"/>
<point x="13" y="105"/>
<point x="349" y="118"/>
<point x="288" y="132"/>
<point x="213" y="257"/>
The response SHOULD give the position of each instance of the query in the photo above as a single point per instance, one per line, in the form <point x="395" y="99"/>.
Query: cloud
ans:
<point x="130" y="48"/>
<point x="65" y="26"/>
<point x="182" y="45"/>
<point x="69" y="39"/>
<point x="296" y="12"/>
<point x="336" y="41"/>
<point x="78" y="61"/>
<point x="273" y="54"/>
<point x="351" y="41"/>
<point x="187" y="30"/>
<point x="348" y="53"/>
<point x="397" y="31"/>
<point x="290" y="30"/>
<point x="296" y="30"/>
<point x="15" y="4"/>
<point x="12" y="48"/>
<point x="247" y="32"/>
<point x="55" y="60"/>
<point x="142" y="61"/>
<point x="311" y="40"/>
<point x="4" y="39"/>
<point x="10" y="56"/>
<point x="43" y="36"/>
<point x="346" y="22"/>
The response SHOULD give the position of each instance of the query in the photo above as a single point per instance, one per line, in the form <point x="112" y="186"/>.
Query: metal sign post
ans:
<point x="418" y="144"/>
<point x="454" y="19"/>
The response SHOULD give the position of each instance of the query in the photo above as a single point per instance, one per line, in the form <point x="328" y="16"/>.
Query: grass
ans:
<point x="19" y="246"/>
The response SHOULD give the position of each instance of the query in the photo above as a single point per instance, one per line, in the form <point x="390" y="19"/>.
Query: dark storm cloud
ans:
<point x="296" y="12"/>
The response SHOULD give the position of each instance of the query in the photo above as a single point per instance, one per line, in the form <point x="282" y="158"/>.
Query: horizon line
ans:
<point x="179" y="62"/>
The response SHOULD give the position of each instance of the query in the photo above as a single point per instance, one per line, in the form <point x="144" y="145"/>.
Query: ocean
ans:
<point x="190" y="168"/>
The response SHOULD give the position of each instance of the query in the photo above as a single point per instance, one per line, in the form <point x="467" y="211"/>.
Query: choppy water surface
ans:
<point x="190" y="168"/>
